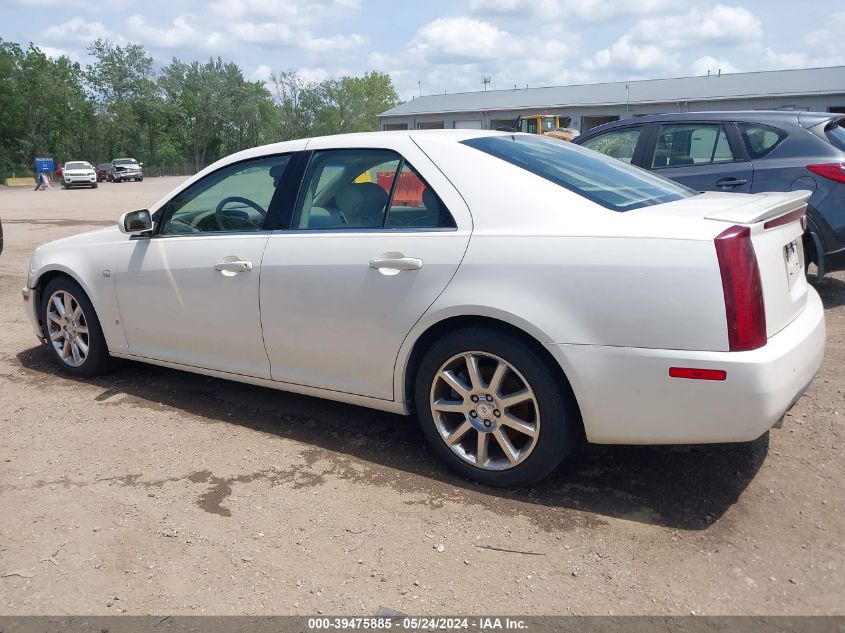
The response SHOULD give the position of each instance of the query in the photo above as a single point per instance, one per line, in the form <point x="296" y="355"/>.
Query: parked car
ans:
<point x="103" y="170"/>
<point x="536" y="292"/>
<point x="79" y="173"/>
<point x="746" y="152"/>
<point x="126" y="169"/>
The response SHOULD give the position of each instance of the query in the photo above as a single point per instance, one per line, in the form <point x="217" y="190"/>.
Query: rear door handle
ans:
<point x="396" y="261"/>
<point x="233" y="266"/>
<point x="731" y="182"/>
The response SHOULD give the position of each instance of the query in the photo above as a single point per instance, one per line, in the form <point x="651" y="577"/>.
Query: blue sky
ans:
<point x="439" y="45"/>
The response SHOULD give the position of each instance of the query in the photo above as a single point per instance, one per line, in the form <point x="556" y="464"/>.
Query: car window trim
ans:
<point x="156" y="232"/>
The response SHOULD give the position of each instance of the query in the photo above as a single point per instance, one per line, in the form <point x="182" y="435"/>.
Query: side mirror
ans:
<point x="140" y="164"/>
<point x="135" y="222"/>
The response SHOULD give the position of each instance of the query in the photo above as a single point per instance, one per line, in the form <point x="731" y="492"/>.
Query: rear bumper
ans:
<point x="627" y="397"/>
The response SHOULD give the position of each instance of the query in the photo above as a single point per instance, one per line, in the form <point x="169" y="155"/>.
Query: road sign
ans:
<point x="44" y="165"/>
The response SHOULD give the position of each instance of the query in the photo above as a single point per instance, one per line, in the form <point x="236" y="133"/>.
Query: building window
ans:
<point x="389" y="127"/>
<point x="432" y="125"/>
<point x="495" y="124"/>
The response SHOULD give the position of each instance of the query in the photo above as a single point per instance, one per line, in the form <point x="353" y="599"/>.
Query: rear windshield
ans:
<point x="601" y="179"/>
<point x="836" y="134"/>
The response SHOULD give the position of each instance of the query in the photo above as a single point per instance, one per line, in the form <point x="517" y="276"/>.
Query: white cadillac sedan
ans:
<point x="517" y="292"/>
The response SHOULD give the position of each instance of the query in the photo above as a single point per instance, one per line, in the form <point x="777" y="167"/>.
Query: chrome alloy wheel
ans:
<point x="485" y="410"/>
<point x="67" y="328"/>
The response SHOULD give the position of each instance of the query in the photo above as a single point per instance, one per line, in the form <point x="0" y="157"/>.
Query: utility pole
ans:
<point x="486" y="81"/>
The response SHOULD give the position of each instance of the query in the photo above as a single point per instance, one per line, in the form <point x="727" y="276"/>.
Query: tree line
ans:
<point x="175" y="119"/>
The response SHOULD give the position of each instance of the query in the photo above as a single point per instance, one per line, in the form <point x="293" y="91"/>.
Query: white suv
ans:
<point x="79" y="174"/>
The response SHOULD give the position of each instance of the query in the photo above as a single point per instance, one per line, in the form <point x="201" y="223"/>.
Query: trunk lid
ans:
<point x="776" y="225"/>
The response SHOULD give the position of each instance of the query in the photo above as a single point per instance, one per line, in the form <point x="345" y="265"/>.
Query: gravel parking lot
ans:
<point x="156" y="491"/>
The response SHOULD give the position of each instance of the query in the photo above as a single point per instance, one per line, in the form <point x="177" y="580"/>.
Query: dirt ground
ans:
<point x="156" y="491"/>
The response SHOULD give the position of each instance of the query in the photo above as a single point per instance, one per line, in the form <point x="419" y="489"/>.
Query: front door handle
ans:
<point x="395" y="262"/>
<point x="233" y="267"/>
<point x="729" y="182"/>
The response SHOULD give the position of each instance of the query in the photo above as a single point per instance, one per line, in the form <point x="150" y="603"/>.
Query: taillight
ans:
<point x="831" y="171"/>
<point x="744" y="310"/>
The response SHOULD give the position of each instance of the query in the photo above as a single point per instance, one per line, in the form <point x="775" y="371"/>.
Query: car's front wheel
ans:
<point x="72" y="329"/>
<point x="493" y="409"/>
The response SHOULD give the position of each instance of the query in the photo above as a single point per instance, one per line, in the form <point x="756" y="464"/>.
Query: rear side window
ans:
<point x="619" y="144"/>
<point x="601" y="179"/>
<point x="760" y="139"/>
<point x="836" y="134"/>
<point x="680" y="145"/>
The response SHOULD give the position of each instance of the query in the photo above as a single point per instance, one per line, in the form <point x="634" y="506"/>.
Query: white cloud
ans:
<point x="53" y="53"/>
<point x="828" y="39"/>
<point x="626" y="56"/>
<point x="586" y="10"/>
<point x="54" y="4"/>
<point x="716" y="26"/>
<point x="333" y="44"/>
<point x="702" y="65"/>
<point x="77" y="31"/>
<point x="262" y="73"/>
<point x="456" y="39"/>
<point x="302" y="12"/>
<point x="280" y="35"/>
<point x="185" y="31"/>
<point x="315" y="75"/>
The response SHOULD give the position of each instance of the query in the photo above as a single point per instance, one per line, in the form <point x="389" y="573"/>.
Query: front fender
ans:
<point x="91" y="268"/>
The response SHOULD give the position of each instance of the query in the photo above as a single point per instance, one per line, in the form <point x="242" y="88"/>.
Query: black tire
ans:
<point x="560" y="427"/>
<point x="98" y="360"/>
<point x="94" y="186"/>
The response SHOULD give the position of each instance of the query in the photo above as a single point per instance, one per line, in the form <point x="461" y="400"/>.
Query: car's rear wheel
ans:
<point x="493" y="409"/>
<point x="72" y="329"/>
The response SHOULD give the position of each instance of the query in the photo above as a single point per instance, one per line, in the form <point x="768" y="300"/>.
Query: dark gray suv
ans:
<point x="745" y="152"/>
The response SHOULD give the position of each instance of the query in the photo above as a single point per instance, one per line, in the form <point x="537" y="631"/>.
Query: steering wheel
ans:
<point x="227" y="224"/>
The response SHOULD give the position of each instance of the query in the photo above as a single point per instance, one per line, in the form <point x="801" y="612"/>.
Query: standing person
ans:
<point x="42" y="182"/>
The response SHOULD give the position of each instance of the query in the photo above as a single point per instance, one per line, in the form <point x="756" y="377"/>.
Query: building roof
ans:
<point x="773" y="83"/>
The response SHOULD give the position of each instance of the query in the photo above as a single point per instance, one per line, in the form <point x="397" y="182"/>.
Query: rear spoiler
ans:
<point x="763" y="206"/>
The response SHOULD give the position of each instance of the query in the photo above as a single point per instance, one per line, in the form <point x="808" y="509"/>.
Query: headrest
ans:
<point x="357" y="198"/>
<point x="430" y="200"/>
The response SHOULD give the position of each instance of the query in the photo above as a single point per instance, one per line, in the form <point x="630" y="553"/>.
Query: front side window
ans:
<point x="619" y="144"/>
<point x="600" y="179"/>
<point x="680" y="145"/>
<point x="234" y="198"/>
<point x="366" y="189"/>
<point x="760" y="139"/>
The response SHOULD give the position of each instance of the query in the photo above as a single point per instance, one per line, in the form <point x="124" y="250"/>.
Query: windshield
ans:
<point x="125" y="161"/>
<point x="78" y="165"/>
<point x="601" y="179"/>
<point x="836" y="134"/>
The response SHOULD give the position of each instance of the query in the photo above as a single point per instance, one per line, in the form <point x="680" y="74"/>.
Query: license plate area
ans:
<point x="793" y="257"/>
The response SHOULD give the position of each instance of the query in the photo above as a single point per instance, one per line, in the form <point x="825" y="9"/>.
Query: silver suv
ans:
<point x="126" y="169"/>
